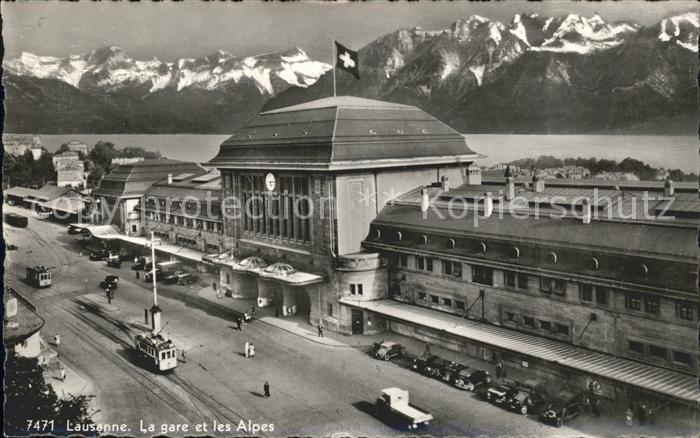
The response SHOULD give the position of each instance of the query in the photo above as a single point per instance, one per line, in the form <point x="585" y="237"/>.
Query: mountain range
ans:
<point x="536" y="74"/>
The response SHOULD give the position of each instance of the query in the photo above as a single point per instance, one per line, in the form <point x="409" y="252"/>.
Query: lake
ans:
<point x="674" y="152"/>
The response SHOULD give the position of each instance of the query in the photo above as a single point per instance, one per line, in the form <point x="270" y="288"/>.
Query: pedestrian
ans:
<point x="427" y="349"/>
<point x="184" y="359"/>
<point x="266" y="389"/>
<point x="57" y="340"/>
<point x="277" y="312"/>
<point x="642" y="414"/>
<point x="238" y="324"/>
<point x="62" y="373"/>
<point x="252" y="311"/>
<point x="499" y="369"/>
<point x="320" y="331"/>
<point x="247" y="349"/>
<point x="137" y="274"/>
<point x="629" y="417"/>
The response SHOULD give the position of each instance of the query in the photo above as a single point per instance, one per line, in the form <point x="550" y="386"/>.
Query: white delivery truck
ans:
<point x="395" y="400"/>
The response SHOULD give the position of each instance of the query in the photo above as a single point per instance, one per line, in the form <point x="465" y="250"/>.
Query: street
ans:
<point x="316" y="389"/>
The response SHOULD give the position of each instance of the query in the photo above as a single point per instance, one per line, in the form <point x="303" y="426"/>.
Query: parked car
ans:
<point x="423" y="364"/>
<point x="187" y="278"/>
<point x="388" y="350"/>
<point x="110" y="281"/>
<point x="99" y="255"/>
<point x="11" y="247"/>
<point x="114" y="262"/>
<point x="171" y="277"/>
<point x="470" y="379"/>
<point x="450" y="370"/>
<point x="436" y="368"/>
<point x="498" y="393"/>
<point x="530" y="394"/>
<point x="396" y="402"/>
<point x="565" y="406"/>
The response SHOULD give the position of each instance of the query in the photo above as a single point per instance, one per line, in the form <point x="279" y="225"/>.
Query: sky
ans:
<point x="189" y="29"/>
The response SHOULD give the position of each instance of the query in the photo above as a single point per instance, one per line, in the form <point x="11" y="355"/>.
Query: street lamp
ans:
<point x="155" y="310"/>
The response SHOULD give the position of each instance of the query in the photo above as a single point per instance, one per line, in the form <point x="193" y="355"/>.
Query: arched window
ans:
<point x="552" y="257"/>
<point x="424" y="239"/>
<point x="594" y="263"/>
<point x="451" y="243"/>
<point x="644" y="270"/>
<point x="398" y="236"/>
<point x="482" y="247"/>
<point x="516" y="252"/>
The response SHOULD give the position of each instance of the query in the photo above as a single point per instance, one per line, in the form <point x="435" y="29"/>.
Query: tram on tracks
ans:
<point x="158" y="351"/>
<point x="39" y="276"/>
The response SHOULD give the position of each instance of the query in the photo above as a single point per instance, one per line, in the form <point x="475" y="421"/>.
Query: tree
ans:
<point x="29" y="397"/>
<point x="63" y="148"/>
<point x="102" y="154"/>
<point x="43" y="170"/>
<point x="95" y="176"/>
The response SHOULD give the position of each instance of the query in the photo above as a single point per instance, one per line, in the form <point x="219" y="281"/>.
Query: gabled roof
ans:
<point x="344" y="132"/>
<point x="48" y="193"/>
<point x="133" y="179"/>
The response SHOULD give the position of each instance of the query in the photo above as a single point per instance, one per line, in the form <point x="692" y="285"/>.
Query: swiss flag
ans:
<point x="347" y="60"/>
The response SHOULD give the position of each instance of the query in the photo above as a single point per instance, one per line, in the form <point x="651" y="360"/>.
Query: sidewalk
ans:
<point x="73" y="384"/>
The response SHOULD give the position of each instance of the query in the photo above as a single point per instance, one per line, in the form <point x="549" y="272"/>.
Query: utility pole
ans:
<point x="155" y="310"/>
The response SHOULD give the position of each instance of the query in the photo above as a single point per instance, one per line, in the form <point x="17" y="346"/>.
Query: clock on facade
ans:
<point x="270" y="182"/>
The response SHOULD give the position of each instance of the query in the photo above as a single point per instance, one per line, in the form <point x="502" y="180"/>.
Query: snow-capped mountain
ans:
<point x="534" y="74"/>
<point x="109" y="69"/>
<point x="538" y="74"/>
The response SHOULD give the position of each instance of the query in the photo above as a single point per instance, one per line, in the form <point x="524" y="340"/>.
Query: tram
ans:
<point x="157" y="350"/>
<point x="39" y="276"/>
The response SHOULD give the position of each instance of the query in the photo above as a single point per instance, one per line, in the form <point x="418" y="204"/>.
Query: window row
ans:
<point x="588" y="293"/>
<point x="191" y="223"/>
<point x="659" y="352"/>
<point x="356" y="289"/>
<point x="459" y="305"/>
<point x="532" y="323"/>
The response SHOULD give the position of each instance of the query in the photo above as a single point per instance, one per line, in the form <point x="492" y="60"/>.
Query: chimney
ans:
<point x="538" y="183"/>
<point x="170" y="178"/>
<point x="424" y="200"/>
<point x="445" y="184"/>
<point x="474" y="175"/>
<point x="510" y="185"/>
<point x="586" y="210"/>
<point x="668" y="188"/>
<point x="488" y="205"/>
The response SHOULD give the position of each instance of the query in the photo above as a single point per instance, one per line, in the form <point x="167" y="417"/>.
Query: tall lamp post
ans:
<point x="155" y="310"/>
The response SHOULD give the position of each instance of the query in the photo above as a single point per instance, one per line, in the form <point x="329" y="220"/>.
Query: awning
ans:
<point x="107" y="232"/>
<point x="162" y="246"/>
<point x="64" y="205"/>
<point x="633" y="373"/>
<point x="257" y="266"/>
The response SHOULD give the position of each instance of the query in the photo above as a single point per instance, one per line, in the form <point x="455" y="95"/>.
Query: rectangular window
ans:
<point x="559" y="287"/>
<point x="685" y="311"/>
<point x="460" y="305"/>
<point x="585" y="292"/>
<point x="359" y="289"/>
<point x="658" y="352"/>
<point x="633" y="302"/>
<point x="421" y="296"/>
<point x="651" y="305"/>
<point x="421" y="263"/>
<point x="510" y="317"/>
<point x="330" y="309"/>
<point x="510" y="279"/>
<point x="453" y="269"/>
<point x="683" y="357"/>
<point x="635" y="347"/>
<point x="528" y="321"/>
<point x="403" y="260"/>
<point x="352" y="290"/>
<point x="435" y="299"/>
<point x="482" y="275"/>
<point x="546" y="325"/>
<point x="447" y="302"/>
<point x="523" y="282"/>
<point x="546" y="285"/>
<point x="601" y="295"/>
<point x="561" y="329"/>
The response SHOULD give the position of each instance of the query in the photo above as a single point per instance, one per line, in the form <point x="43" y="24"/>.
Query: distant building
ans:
<point x="78" y="146"/>
<point x="572" y="172"/>
<point x="71" y="174"/>
<point x="121" y="190"/>
<point x="65" y="159"/>
<point x="19" y="144"/>
<point x="617" y="176"/>
<point x="121" y="161"/>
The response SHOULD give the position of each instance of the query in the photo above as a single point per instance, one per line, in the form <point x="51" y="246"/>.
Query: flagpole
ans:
<point x="334" y="62"/>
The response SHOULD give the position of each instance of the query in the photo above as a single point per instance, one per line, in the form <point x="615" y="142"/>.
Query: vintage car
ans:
<point x="530" y="394"/>
<point x="424" y="364"/>
<point x="114" y="262"/>
<point x="450" y="370"/>
<point x="110" y="282"/>
<point x="187" y="278"/>
<point x="437" y="367"/>
<point x="100" y="254"/>
<point x="171" y="277"/>
<point x="388" y="350"/>
<point x="470" y="379"/>
<point x="499" y="393"/>
<point x="565" y="406"/>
